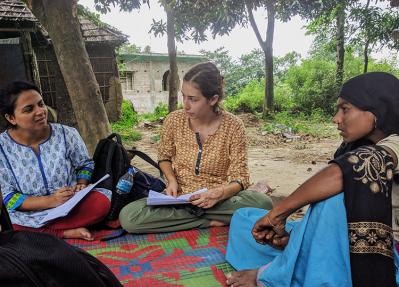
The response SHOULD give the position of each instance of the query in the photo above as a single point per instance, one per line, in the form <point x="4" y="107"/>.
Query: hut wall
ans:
<point x="53" y="87"/>
<point x="55" y="93"/>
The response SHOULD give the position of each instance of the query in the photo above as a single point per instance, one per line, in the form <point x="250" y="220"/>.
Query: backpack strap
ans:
<point x="146" y="158"/>
<point x="98" y="150"/>
<point x="5" y="222"/>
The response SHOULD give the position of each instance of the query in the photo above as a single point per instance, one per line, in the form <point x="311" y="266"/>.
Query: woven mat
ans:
<point x="186" y="258"/>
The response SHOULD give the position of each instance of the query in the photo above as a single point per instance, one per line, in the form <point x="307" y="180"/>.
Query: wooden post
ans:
<point x="30" y="59"/>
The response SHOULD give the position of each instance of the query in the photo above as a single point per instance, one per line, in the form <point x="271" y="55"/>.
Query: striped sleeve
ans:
<point x="14" y="200"/>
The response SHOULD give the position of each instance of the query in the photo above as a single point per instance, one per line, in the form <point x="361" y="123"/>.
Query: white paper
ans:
<point x="63" y="209"/>
<point x="156" y="198"/>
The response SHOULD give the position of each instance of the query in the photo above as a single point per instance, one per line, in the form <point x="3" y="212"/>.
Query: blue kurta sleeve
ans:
<point x="11" y="197"/>
<point x="78" y="154"/>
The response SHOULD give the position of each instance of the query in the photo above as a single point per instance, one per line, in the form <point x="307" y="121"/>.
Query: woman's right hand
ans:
<point x="270" y="230"/>
<point x="172" y="188"/>
<point x="60" y="196"/>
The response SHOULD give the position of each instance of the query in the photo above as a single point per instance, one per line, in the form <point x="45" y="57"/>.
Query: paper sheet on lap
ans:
<point x="65" y="208"/>
<point x="156" y="198"/>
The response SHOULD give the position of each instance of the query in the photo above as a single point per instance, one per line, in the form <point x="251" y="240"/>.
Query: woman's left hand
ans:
<point x="79" y="187"/>
<point x="208" y="198"/>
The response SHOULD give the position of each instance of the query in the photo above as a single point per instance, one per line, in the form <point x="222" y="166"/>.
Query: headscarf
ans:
<point x="378" y="93"/>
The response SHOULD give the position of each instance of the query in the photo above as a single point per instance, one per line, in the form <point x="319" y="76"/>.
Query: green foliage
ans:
<point x="103" y="6"/>
<point x="94" y="17"/>
<point x="312" y="85"/>
<point x="249" y="99"/>
<point x="316" y="124"/>
<point x="125" y="49"/>
<point x="249" y="67"/>
<point x="161" y="111"/>
<point x="283" y="99"/>
<point x="124" y="126"/>
<point x="354" y="65"/>
<point x="306" y="87"/>
<point x="128" y="49"/>
<point x="156" y="138"/>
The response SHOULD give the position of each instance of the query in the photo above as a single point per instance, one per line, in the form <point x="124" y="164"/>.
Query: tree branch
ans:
<point x="254" y="26"/>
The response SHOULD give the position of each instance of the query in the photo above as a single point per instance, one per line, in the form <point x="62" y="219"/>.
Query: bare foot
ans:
<point x="78" y="233"/>
<point x="215" y="223"/>
<point x="244" y="278"/>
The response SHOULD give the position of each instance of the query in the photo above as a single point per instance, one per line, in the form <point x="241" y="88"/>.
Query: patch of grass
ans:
<point x="155" y="138"/>
<point x="160" y="111"/>
<point x="317" y="124"/>
<point x="125" y="125"/>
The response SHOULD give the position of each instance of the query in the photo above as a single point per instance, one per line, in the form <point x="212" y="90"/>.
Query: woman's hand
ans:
<point x="270" y="230"/>
<point x="60" y="196"/>
<point x="172" y="188"/>
<point x="79" y="187"/>
<point x="208" y="198"/>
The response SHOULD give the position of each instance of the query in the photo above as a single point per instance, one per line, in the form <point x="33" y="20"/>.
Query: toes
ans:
<point x="87" y="235"/>
<point x="232" y="278"/>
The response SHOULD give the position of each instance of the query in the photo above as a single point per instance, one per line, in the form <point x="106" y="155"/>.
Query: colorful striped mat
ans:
<point x="186" y="258"/>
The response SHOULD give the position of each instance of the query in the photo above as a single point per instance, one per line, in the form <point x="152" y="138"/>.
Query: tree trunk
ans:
<point x="340" y="46"/>
<point x="366" y="56"/>
<point x="173" y="75"/>
<point x="59" y="17"/>
<point x="267" y="47"/>
<point x="269" y="87"/>
<point x="366" y="47"/>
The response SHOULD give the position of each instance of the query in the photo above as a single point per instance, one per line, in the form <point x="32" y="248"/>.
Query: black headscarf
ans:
<point x="378" y="93"/>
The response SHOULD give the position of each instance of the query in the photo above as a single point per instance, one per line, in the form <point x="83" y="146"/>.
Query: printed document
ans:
<point x="63" y="209"/>
<point x="156" y="198"/>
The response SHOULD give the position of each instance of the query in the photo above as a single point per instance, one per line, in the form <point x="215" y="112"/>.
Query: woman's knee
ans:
<point x="264" y="201"/>
<point x="100" y="203"/>
<point x="131" y="216"/>
<point x="257" y="199"/>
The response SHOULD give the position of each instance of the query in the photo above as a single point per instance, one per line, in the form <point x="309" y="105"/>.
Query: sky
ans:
<point x="288" y="36"/>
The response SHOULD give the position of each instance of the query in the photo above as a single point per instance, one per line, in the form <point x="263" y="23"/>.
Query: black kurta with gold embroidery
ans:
<point x="368" y="174"/>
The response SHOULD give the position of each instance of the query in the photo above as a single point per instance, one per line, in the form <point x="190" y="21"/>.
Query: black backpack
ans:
<point x="42" y="260"/>
<point x="110" y="157"/>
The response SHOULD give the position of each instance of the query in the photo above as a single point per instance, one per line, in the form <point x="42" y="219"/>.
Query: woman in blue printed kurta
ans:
<point x="42" y="165"/>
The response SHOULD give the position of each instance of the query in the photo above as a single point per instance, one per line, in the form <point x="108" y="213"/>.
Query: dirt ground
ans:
<point x="280" y="162"/>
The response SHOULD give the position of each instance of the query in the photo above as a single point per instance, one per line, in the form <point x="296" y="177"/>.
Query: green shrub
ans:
<point x="160" y="111"/>
<point x="313" y="86"/>
<point x="283" y="100"/>
<point x="249" y="99"/>
<point x="125" y="125"/>
<point x="128" y="117"/>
